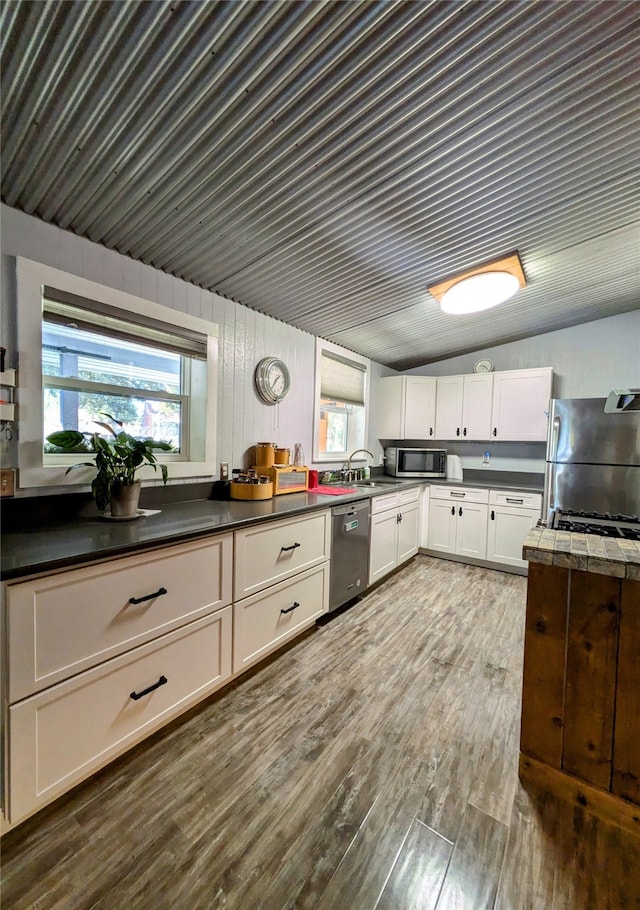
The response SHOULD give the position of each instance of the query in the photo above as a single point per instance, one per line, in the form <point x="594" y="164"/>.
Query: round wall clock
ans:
<point x="272" y="380"/>
<point x="483" y="366"/>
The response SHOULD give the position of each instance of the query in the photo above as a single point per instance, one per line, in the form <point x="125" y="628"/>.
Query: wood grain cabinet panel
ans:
<point x="60" y="736"/>
<point x="269" y="553"/>
<point x="60" y="625"/>
<point x="592" y="645"/>
<point x="626" y="737"/>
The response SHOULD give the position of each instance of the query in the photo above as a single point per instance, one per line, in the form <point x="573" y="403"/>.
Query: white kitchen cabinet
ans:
<point x="521" y="404"/>
<point x="61" y="735"/>
<point x="395" y="521"/>
<point x="101" y="655"/>
<point x="511" y="516"/>
<point x="463" y="406"/>
<point x="449" y="392"/>
<point x="281" y="583"/>
<point x="407" y="407"/>
<point x="458" y="521"/>
<point x="59" y="625"/>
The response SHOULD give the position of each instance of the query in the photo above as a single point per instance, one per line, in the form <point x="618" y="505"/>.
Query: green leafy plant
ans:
<point x="116" y="460"/>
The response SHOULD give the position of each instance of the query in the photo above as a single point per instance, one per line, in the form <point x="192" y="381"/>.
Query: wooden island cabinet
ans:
<point x="580" y="726"/>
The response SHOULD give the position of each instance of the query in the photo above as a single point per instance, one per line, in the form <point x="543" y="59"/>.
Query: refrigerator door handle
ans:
<point x="549" y="502"/>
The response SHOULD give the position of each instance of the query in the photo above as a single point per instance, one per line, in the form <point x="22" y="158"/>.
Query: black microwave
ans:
<point x="401" y="462"/>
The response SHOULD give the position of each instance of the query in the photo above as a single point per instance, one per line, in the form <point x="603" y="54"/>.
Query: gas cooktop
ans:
<point x="603" y="524"/>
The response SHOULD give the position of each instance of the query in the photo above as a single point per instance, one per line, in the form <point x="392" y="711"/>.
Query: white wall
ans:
<point x="245" y="336"/>
<point x="588" y="360"/>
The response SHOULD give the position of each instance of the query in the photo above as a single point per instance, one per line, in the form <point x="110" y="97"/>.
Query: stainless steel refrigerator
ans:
<point x="593" y="458"/>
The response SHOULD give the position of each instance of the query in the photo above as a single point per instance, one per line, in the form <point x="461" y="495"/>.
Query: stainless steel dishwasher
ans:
<point x="349" y="552"/>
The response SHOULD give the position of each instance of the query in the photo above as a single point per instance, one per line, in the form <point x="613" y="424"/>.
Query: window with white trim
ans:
<point x="341" y="402"/>
<point x="100" y="351"/>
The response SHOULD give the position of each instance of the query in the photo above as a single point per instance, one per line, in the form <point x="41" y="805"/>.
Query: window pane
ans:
<point x="82" y="354"/>
<point x="334" y="428"/>
<point x="151" y="418"/>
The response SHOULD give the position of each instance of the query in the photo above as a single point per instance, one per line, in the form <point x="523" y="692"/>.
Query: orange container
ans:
<point x="282" y="456"/>
<point x="265" y="453"/>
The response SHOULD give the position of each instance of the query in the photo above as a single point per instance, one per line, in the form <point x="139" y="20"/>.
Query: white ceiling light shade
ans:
<point x="480" y="288"/>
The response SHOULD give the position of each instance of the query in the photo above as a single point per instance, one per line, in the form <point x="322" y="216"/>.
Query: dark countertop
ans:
<point x="47" y="544"/>
<point x="62" y="544"/>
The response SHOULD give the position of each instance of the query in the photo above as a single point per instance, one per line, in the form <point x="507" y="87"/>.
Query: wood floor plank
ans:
<point x="308" y="782"/>
<point x="419" y="871"/>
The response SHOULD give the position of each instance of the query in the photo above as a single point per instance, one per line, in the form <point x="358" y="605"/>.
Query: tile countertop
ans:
<point x="586" y="552"/>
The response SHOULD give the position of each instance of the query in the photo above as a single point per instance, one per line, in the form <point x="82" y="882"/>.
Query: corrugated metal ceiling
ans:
<point x="325" y="162"/>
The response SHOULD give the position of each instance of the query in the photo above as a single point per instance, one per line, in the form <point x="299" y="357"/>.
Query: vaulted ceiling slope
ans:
<point x="325" y="162"/>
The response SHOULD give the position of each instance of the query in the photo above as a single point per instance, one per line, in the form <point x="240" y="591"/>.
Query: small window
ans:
<point x="99" y="351"/>
<point x="341" y="382"/>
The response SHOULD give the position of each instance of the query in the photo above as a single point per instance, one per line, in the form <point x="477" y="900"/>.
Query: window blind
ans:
<point x="63" y="308"/>
<point x="342" y="379"/>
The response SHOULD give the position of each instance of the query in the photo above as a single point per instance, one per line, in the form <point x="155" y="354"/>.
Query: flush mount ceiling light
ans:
<point x="480" y="288"/>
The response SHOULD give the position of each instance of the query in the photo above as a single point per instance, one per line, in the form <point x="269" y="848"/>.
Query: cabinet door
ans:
<point x="449" y="392"/>
<point x="382" y="553"/>
<point x="442" y="526"/>
<point x="471" y="530"/>
<point x="476" y="406"/>
<point x="520" y="405"/>
<point x="420" y="407"/>
<point x="408" y="528"/>
<point x="508" y="526"/>
<point x="390" y="415"/>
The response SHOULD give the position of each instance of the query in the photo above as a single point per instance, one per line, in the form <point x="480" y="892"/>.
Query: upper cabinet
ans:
<point x="521" y="404"/>
<point x="407" y="407"/>
<point x="463" y="406"/>
<point x="510" y="406"/>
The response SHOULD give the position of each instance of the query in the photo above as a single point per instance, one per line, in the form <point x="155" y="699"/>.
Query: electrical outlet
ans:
<point x="7" y="482"/>
<point x="224" y="470"/>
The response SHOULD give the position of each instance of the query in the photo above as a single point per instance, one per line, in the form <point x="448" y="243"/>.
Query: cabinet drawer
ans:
<point x="262" y="622"/>
<point x="383" y="503"/>
<point x="407" y="496"/>
<point x="269" y="553"/>
<point x="460" y="494"/>
<point x="62" y="624"/>
<point x="62" y="735"/>
<point x="517" y="500"/>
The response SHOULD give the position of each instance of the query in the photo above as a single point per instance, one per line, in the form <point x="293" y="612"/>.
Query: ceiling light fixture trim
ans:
<point x="482" y="287"/>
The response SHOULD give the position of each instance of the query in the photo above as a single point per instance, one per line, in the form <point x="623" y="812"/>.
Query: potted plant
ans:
<point x="117" y="460"/>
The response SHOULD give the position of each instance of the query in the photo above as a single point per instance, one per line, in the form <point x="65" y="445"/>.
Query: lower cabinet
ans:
<point x="395" y="524"/>
<point x="61" y="735"/>
<point x="458" y="521"/>
<point x="264" y="621"/>
<point x="511" y="517"/>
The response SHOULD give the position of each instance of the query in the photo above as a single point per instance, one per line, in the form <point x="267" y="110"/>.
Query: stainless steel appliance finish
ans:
<point x="414" y="462"/>
<point x="593" y="459"/>
<point x="349" y="552"/>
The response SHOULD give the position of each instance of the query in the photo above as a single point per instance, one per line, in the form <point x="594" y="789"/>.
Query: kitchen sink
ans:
<point x="375" y="483"/>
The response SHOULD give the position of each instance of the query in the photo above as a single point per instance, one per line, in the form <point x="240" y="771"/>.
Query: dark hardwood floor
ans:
<point x="373" y="764"/>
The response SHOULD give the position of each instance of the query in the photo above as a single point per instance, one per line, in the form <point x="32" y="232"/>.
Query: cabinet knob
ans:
<point x="457" y="431"/>
<point x="464" y="432"/>
<point x="430" y="431"/>
<point x="460" y="511"/>
<point x="493" y="515"/>
<point x="453" y="510"/>
<point x="495" y="431"/>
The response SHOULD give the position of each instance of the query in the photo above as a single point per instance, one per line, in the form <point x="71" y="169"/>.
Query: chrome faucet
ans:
<point x="351" y="470"/>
